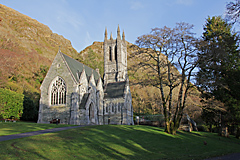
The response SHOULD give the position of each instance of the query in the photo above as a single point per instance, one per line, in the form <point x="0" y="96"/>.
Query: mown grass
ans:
<point x="118" y="142"/>
<point x="8" y="128"/>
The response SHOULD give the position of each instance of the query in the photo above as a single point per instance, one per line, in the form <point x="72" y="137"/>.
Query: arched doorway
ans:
<point x="91" y="114"/>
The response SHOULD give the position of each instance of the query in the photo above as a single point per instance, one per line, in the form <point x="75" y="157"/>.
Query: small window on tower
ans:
<point x="112" y="108"/>
<point x="116" y="53"/>
<point x="106" y="109"/>
<point x="110" y="53"/>
<point x="119" y="108"/>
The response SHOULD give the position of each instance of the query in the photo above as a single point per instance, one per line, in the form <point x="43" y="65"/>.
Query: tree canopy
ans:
<point x="161" y="52"/>
<point x="233" y="11"/>
<point x="219" y="65"/>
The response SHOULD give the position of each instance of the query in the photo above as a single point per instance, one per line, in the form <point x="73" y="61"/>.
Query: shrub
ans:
<point x="11" y="104"/>
<point x="30" y="111"/>
<point x="203" y="128"/>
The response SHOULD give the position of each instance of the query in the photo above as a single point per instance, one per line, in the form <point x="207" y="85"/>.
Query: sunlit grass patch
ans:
<point x="118" y="142"/>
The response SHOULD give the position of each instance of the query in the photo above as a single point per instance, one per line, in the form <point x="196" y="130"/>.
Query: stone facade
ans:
<point x="76" y="94"/>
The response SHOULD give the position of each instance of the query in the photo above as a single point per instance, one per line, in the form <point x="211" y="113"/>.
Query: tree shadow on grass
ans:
<point x="111" y="142"/>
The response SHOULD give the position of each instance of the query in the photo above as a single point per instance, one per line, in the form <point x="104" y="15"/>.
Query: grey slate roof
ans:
<point x="115" y="90"/>
<point x="77" y="67"/>
<point x="84" y="101"/>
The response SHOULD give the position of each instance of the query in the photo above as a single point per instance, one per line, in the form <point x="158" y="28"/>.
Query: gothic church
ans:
<point x="76" y="94"/>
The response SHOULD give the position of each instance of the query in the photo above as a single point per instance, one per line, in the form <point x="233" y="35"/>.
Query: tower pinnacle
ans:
<point x="106" y="33"/>
<point x="118" y="32"/>
<point x="123" y="36"/>
<point x="111" y="37"/>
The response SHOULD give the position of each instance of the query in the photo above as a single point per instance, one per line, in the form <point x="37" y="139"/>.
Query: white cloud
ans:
<point x="64" y="14"/>
<point x="135" y="5"/>
<point x="88" y="39"/>
<point x="67" y="17"/>
<point x="185" y="2"/>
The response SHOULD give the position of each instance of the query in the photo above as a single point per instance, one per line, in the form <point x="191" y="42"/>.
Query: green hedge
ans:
<point x="11" y="104"/>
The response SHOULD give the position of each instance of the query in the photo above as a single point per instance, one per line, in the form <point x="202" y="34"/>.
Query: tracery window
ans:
<point x="58" y="92"/>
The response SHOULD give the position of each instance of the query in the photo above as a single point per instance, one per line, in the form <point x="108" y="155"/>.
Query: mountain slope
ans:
<point x="28" y="47"/>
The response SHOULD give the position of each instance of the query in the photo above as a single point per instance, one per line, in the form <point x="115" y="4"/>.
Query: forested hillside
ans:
<point x="27" y="49"/>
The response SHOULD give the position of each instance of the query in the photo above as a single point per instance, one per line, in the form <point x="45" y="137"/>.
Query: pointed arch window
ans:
<point x="110" y="53"/>
<point x="112" y="108"/>
<point x="58" y="91"/>
<point x="116" y="53"/>
<point x="106" y="109"/>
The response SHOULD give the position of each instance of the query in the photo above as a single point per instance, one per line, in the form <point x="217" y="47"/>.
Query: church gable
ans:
<point x="83" y="84"/>
<point x="57" y="74"/>
<point x="56" y="90"/>
<point x="100" y="84"/>
<point x="57" y="68"/>
<point x="92" y="81"/>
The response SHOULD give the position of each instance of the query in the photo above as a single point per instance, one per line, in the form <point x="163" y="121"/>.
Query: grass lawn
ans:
<point x="8" y="128"/>
<point x="118" y="142"/>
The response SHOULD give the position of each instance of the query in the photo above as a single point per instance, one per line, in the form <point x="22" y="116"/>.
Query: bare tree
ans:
<point x="160" y="52"/>
<point x="233" y="11"/>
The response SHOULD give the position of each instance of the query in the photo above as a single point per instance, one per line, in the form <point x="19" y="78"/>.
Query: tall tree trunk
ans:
<point x="238" y="132"/>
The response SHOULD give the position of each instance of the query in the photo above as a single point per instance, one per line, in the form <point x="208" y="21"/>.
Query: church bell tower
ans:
<point x="115" y="58"/>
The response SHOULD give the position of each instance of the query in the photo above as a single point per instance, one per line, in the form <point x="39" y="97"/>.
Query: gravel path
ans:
<point x="28" y="134"/>
<point x="234" y="156"/>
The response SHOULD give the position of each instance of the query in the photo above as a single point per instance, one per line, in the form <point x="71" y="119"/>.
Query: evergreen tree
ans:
<point x="219" y="70"/>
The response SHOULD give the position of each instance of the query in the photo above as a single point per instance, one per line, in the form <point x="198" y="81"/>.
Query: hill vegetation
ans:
<point x="28" y="47"/>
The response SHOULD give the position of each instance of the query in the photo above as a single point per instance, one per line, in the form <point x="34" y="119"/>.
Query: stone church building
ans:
<point x="77" y="94"/>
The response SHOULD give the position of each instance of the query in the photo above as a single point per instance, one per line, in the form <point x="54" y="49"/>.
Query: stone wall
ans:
<point x="47" y="112"/>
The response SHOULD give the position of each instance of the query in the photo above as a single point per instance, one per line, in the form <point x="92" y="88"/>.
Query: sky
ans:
<point x="84" y="21"/>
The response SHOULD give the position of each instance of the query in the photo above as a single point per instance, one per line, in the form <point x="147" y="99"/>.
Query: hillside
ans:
<point x="28" y="48"/>
<point x="146" y="99"/>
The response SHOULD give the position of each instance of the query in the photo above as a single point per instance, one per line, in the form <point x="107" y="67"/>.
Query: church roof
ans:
<point x="77" y="67"/>
<point x="115" y="90"/>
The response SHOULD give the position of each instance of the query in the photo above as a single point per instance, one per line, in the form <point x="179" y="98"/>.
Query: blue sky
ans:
<point x="84" y="21"/>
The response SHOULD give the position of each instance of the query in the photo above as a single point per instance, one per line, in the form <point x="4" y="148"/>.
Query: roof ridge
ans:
<point x="62" y="55"/>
